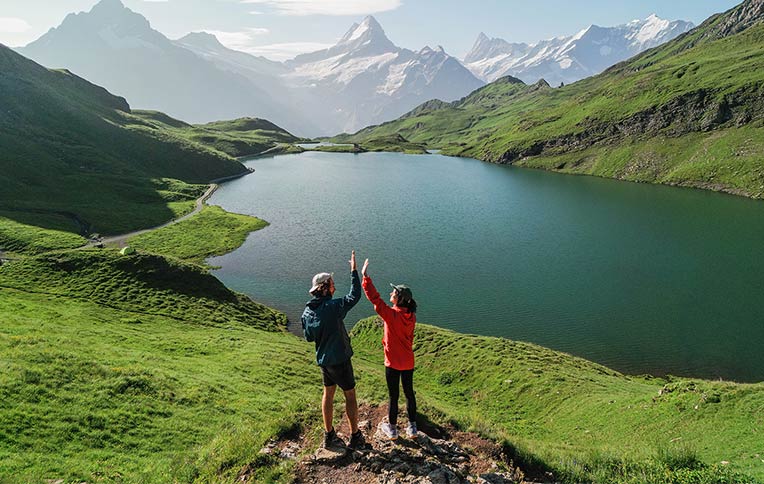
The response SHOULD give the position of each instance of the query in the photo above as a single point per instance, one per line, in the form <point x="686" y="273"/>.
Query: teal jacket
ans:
<point x="323" y="322"/>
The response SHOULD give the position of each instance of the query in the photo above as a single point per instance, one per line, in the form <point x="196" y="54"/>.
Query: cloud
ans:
<point x="327" y="7"/>
<point x="284" y="51"/>
<point x="242" y="40"/>
<point x="13" y="25"/>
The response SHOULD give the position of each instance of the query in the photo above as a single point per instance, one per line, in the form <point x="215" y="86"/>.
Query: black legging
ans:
<point x="407" y="377"/>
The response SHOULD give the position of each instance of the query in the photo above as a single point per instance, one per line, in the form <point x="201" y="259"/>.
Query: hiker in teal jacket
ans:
<point x="323" y="323"/>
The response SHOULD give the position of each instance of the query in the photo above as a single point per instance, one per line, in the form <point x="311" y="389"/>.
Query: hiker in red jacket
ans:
<point x="399" y="355"/>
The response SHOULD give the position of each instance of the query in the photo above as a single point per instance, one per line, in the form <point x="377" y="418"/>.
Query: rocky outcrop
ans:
<point x="435" y="456"/>
<point x="419" y="460"/>
<point x="697" y="111"/>
<point x="740" y="18"/>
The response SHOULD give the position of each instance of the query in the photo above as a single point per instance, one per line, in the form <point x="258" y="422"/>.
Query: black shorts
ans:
<point x="341" y="375"/>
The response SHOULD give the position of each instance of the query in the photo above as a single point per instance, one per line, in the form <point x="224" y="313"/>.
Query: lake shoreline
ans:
<point x="547" y="303"/>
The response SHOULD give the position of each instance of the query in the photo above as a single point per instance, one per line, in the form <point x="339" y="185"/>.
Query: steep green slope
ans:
<point x="76" y="157"/>
<point x="71" y="148"/>
<point x="238" y="137"/>
<point x="698" y="89"/>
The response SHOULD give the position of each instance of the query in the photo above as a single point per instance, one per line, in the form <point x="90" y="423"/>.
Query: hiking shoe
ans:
<point x="388" y="430"/>
<point x="357" y="442"/>
<point x="332" y="440"/>
<point x="411" y="431"/>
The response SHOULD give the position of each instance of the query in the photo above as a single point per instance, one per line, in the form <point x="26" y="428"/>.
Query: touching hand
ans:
<point x="365" y="267"/>
<point x="352" y="261"/>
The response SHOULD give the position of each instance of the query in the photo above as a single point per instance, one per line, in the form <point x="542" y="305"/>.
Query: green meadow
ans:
<point x="145" y="368"/>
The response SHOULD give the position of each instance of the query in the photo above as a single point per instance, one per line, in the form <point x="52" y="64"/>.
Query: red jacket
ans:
<point x="398" y="336"/>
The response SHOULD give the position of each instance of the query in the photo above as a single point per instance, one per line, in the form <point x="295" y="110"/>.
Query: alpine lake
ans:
<point x="640" y="278"/>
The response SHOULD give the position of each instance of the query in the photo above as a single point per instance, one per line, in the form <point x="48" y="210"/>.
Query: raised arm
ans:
<point x="386" y="312"/>
<point x="355" y="287"/>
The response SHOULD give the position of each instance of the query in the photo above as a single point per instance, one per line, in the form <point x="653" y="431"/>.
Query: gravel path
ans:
<point x="121" y="240"/>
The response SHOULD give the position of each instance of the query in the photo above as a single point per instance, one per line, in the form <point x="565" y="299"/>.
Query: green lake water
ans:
<point x="641" y="278"/>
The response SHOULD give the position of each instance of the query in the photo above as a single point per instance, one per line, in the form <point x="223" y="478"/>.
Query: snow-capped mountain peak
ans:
<point x="202" y="40"/>
<point x="427" y="50"/>
<point x="568" y="59"/>
<point x="366" y="79"/>
<point x="106" y="7"/>
<point x="648" y="30"/>
<point x="368" y="32"/>
<point x="487" y="48"/>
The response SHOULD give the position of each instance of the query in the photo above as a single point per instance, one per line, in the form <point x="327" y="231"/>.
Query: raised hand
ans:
<point x="352" y="261"/>
<point x="365" y="267"/>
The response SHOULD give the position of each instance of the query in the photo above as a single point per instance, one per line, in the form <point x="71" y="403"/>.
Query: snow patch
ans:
<point x="652" y="28"/>
<point x="395" y="78"/>
<point x="342" y="70"/>
<point x="359" y="31"/>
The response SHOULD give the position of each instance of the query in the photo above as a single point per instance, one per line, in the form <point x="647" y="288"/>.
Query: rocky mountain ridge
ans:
<point x="363" y="79"/>
<point x="114" y="47"/>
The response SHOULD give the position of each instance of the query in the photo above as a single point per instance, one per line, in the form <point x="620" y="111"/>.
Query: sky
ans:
<point x="281" y="29"/>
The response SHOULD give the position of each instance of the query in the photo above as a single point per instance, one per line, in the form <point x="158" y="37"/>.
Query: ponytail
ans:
<point x="410" y="305"/>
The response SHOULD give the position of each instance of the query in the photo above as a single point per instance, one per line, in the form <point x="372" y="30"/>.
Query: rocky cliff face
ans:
<point x="740" y="18"/>
<point x="698" y="111"/>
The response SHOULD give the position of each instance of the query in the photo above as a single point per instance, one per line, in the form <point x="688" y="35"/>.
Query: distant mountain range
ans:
<point x="364" y="79"/>
<point x="569" y="59"/>
<point x="117" y="49"/>
<point x="688" y="113"/>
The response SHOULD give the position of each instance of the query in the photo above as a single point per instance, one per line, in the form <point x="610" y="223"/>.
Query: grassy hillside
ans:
<point x="137" y="368"/>
<point x="101" y="394"/>
<point x="582" y="421"/>
<point x="17" y="237"/>
<point x="145" y="368"/>
<point x="694" y="91"/>
<point x="239" y="137"/>
<point x="76" y="157"/>
<point x="211" y="232"/>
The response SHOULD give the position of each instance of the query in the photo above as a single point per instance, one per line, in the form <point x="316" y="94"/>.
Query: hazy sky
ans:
<point x="280" y="29"/>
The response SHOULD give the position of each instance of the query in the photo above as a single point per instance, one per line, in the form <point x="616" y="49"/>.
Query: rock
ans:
<point x="290" y="451"/>
<point x="268" y="449"/>
<point x="330" y="454"/>
<point x="365" y="426"/>
<point x="495" y="478"/>
<point x="443" y="475"/>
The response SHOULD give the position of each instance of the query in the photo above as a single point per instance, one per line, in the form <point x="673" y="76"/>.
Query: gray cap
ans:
<point x="319" y="279"/>
<point x="403" y="291"/>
